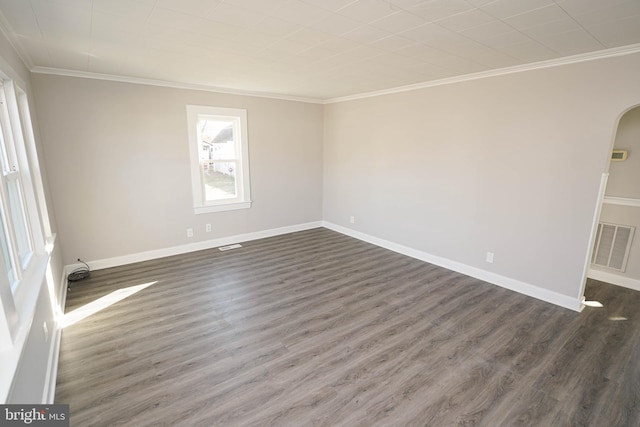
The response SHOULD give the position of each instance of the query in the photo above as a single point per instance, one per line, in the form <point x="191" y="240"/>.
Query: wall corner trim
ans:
<point x="546" y="295"/>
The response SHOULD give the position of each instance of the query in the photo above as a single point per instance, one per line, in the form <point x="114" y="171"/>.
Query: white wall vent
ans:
<point x="612" y="246"/>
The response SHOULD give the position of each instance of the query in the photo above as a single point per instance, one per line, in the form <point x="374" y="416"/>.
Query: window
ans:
<point x="16" y="241"/>
<point x="219" y="158"/>
<point x="26" y="240"/>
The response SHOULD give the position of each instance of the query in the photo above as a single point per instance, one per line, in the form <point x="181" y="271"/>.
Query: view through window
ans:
<point x="219" y="158"/>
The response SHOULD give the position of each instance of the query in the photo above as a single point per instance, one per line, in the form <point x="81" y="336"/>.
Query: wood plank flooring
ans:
<point x="317" y="328"/>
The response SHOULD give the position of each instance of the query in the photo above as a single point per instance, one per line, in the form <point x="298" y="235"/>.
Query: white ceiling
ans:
<point x="318" y="49"/>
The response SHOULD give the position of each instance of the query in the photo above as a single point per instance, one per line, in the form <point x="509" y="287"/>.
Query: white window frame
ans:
<point x="243" y="199"/>
<point x="18" y="298"/>
<point x="16" y="173"/>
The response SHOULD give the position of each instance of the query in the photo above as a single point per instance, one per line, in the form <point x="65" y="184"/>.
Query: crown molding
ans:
<point x="14" y="42"/>
<point x="567" y="60"/>
<point x="590" y="56"/>
<point x="169" y="84"/>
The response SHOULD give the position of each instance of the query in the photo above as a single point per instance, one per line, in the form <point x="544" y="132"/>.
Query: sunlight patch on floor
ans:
<point x="101" y="303"/>
<point x="597" y="304"/>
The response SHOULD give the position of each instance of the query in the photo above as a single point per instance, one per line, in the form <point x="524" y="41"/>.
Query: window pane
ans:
<point x="4" y="164"/>
<point x="16" y="206"/>
<point x="219" y="179"/>
<point x="4" y="131"/>
<point x="217" y="155"/>
<point x="217" y="138"/>
<point x="6" y="254"/>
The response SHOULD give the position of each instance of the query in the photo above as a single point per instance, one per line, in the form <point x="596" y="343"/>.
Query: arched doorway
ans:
<point x="615" y="244"/>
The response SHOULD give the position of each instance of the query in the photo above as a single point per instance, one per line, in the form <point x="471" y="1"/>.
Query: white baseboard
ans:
<point x="192" y="247"/>
<point x="487" y="276"/>
<point x="614" y="279"/>
<point x="48" y="394"/>
<point x="496" y="279"/>
<point x="49" y="390"/>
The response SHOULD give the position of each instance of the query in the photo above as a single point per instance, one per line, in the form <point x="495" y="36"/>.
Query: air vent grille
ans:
<point x="612" y="246"/>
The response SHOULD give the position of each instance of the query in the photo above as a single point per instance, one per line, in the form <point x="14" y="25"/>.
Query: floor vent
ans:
<point x="229" y="247"/>
<point x="612" y="246"/>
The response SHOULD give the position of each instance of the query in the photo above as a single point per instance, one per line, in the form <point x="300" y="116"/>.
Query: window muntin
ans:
<point x="19" y="221"/>
<point x="219" y="158"/>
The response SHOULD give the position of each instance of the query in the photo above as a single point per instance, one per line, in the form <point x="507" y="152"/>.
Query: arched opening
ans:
<point x="614" y="255"/>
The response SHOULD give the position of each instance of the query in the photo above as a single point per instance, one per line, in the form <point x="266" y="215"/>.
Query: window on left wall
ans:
<point x="22" y="234"/>
<point x="16" y="237"/>
<point x="26" y="240"/>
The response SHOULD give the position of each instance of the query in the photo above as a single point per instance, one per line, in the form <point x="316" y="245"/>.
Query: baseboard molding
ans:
<point x="487" y="276"/>
<point x="614" y="279"/>
<point x="192" y="247"/>
<point x="496" y="279"/>
<point x="48" y="395"/>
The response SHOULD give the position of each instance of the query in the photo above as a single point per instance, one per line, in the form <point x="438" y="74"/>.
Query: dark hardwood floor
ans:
<point x="317" y="328"/>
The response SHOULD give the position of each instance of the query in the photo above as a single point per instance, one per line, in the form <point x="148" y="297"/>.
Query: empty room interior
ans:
<point x="321" y="212"/>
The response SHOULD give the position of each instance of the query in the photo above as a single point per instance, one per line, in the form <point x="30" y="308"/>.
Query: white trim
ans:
<point x="622" y="201"/>
<point x="12" y="356"/>
<point x="594" y="230"/>
<point x="238" y="118"/>
<point x="49" y="389"/>
<point x="574" y="59"/>
<point x="169" y="84"/>
<point x="221" y="208"/>
<point x="567" y="60"/>
<point x="614" y="279"/>
<point x="192" y="247"/>
<point x="487" y="276"/>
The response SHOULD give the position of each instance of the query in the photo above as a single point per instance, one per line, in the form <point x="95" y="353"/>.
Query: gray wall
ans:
<point x="119" y="172"/>
<point x="510" y="164"/>
<point x="624" y="181"/>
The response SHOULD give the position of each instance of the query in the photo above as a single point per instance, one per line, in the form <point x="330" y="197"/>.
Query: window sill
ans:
<point x="221" y="208"/>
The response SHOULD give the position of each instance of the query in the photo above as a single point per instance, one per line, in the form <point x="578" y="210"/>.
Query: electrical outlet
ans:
<point x="352" y="219"/>
<point x="189" y="232"/>
<point x="207" y="228"/>
<point x="490" y="257"/>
